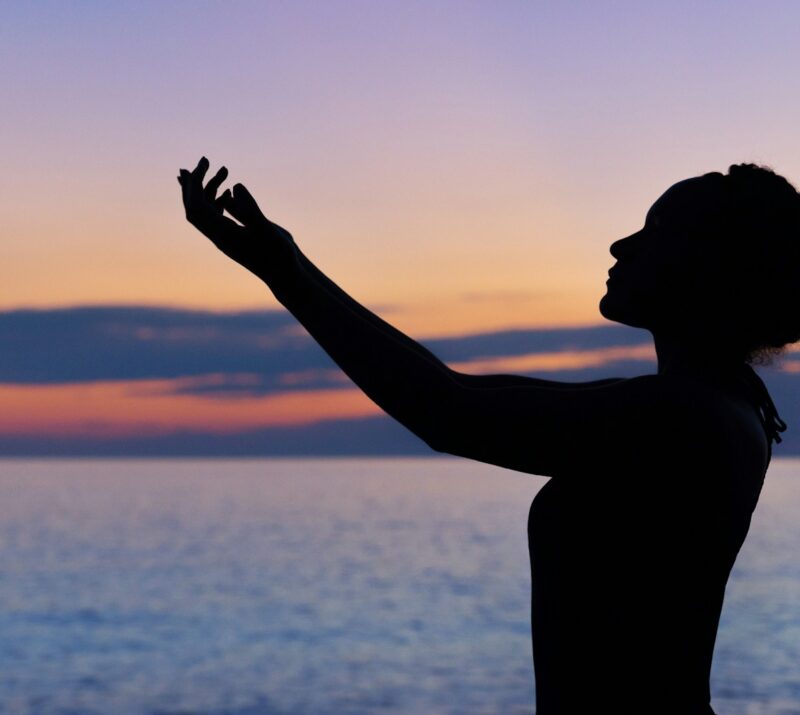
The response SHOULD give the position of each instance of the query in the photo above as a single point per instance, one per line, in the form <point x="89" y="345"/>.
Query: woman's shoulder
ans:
<point x="713" y="419"/>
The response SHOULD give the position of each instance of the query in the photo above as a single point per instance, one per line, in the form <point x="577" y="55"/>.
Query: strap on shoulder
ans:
<point x="773" y="424"/>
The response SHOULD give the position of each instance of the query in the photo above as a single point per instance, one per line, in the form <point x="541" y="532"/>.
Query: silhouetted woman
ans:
<point x="654" y="478"/>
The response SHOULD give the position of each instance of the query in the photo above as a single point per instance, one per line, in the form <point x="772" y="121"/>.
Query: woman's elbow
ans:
<point x="434" y="444"/>
<point x="435" y="434"/>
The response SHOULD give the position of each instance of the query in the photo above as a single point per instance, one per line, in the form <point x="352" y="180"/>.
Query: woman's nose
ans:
<point x="616" y="249"/>
<point x="622" y="247"/>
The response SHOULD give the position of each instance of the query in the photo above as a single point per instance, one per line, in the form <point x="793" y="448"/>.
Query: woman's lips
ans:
<point x="613" y="274"/>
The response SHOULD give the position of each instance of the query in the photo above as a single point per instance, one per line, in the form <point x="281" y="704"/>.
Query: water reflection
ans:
<point x="308" y="586"/>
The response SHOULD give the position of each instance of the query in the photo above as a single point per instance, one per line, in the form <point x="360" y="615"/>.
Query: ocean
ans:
<point x="319" y="587"/>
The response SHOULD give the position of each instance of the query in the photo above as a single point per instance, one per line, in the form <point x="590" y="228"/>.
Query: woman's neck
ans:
<point x="693" y="357"/>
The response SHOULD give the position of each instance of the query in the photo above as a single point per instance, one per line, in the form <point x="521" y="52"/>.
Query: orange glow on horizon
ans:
<point x="555" y="361"/>
<point x="145" y="407"/>
<point x="151" y="407"/>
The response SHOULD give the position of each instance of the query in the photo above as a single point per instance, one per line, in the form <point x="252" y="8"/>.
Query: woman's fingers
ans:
<point x="221" y="202"/>
<point x="198" y="200"/>
<point x="200" y="211"/>
<point x="185" y="180"/>
<point x="199" y="172"/>
<point x="204" y="209"/>
<point x="210" y="192"/>
<point x="243" y="207"/>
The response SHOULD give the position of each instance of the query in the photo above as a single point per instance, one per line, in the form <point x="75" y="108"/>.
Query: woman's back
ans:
<point x="629" y="560"/>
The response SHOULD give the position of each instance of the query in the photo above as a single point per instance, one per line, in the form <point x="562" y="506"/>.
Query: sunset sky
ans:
<point x="458" y="167"/>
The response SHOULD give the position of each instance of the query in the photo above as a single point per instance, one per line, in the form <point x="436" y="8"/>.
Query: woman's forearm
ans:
<point x="367" y="315"/>
<point x="402" y="377"/>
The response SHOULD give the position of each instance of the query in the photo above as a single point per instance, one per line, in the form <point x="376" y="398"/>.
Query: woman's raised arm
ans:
<point x="527" y="424"/>
<point x="401" y="376"/>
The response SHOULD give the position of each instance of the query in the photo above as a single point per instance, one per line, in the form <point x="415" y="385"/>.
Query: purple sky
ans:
<point x="458" y="167"/>
<point x="420" y="152"/>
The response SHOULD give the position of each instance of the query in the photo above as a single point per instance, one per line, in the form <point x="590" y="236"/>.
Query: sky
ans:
<point x="460" y="168"/>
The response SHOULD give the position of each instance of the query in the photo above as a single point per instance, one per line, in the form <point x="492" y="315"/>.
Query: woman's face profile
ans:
<point x="661" y="267"/>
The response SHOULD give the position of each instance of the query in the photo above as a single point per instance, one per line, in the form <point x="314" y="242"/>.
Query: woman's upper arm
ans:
<point x="551" y="428"/>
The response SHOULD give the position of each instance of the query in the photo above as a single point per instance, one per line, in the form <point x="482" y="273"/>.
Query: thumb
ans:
<point x="243" y="207"/>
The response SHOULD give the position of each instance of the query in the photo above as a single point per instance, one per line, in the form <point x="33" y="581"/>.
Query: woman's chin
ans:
<point x="618" y="312"/>
<point x="607" y="307"/>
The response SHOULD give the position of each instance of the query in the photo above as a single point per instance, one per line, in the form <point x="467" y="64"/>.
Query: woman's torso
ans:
<point x="629" y="565"/>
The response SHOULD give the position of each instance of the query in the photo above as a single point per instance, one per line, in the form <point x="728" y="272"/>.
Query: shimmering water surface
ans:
<point x="313" y="587"/>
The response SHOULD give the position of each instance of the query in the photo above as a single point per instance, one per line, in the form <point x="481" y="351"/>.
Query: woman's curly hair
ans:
<point x="761" y="254"/>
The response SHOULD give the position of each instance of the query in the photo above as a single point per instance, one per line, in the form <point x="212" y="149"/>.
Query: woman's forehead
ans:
<point x="691" y="199"/>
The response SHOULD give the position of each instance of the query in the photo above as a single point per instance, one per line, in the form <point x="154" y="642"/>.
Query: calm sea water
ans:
<point x="314" y="587"/>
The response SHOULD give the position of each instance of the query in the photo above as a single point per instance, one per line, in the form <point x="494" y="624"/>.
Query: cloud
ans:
<point x="535" y="340"/>
<point x="559" y="361"/>
<point x="244" y="370"/>
<point x="251" y="352"/>
<point x="128" y="343"/>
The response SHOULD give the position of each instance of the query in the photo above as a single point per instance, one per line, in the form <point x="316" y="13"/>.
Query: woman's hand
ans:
<point x="263" y="247"/>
